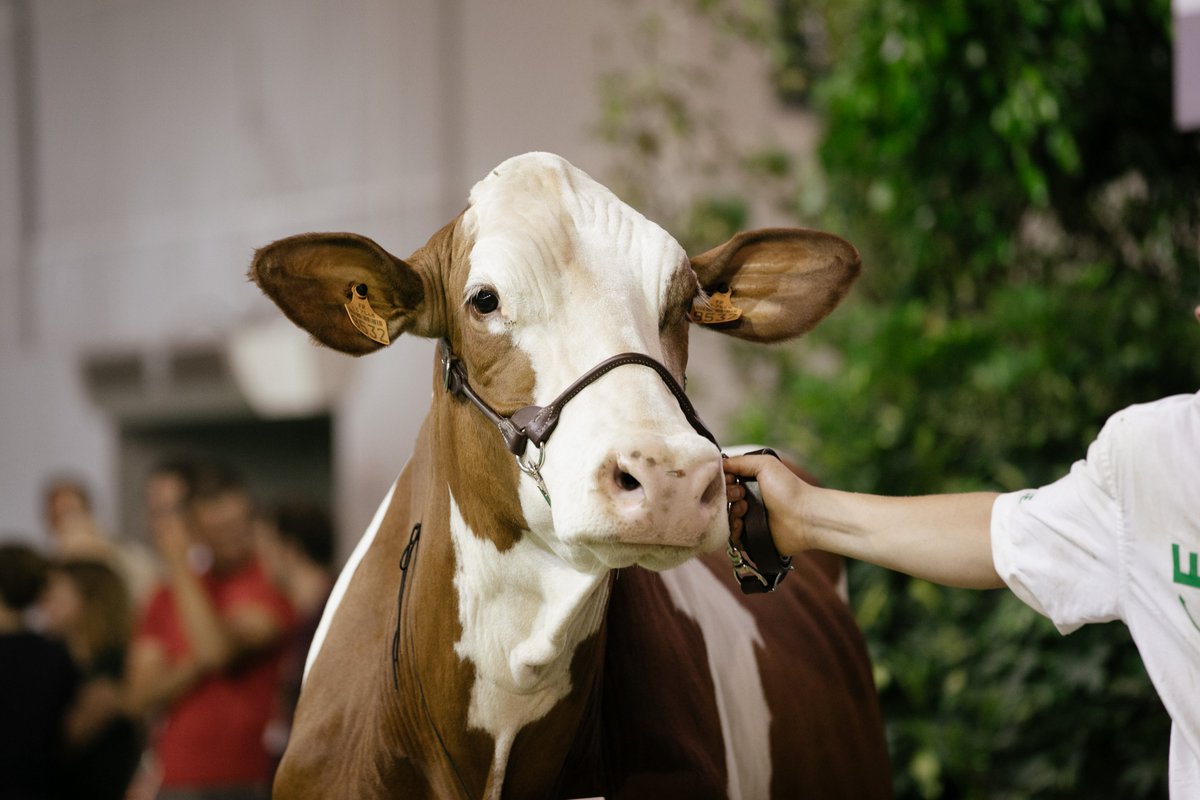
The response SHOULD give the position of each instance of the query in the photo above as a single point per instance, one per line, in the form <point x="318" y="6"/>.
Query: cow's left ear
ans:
<point x="344" y="289"/>
<point x="784" y="280"/>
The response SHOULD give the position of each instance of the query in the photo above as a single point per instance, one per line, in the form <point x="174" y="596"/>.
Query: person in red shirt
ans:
<point x="207" y="651"/>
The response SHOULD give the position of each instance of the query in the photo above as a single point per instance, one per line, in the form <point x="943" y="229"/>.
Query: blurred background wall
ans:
<point x="148" y="146"/>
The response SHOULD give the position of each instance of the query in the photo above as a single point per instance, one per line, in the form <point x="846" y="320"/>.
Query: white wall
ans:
<point x="173" y="137"/>
<point x="10" y="219"/>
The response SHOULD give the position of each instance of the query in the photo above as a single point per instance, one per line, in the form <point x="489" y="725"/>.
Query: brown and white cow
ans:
<point x="591" y="643"/>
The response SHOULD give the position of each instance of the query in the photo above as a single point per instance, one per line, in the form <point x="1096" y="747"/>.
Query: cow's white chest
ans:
<point x="523" y="612"/>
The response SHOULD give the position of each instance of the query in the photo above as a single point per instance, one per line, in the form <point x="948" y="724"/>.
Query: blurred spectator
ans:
<point x="208" y="649"/>
<point x="165" y="493"/>
<point x="295" y="543"/>
<point x="165" y="490"/>
<point x="74" y="533"/>
<point x="67" y="513"/>
<point x="87" y="605"/>
<point x="37" y="684"/>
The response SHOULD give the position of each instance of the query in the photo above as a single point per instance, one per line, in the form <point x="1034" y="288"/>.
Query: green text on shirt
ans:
<point x="1192" y="576"/>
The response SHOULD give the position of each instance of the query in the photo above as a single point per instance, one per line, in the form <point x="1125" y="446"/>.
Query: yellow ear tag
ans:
<point x="363" y="317"/>
<point x="720" y="309"/>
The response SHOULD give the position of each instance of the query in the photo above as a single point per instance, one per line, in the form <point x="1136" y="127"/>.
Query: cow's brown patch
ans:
<point x="682" y="288"/>
<point x="673" y="320"/>
<point x="662" y="731"/>
<point x="435" y="683"/>
<point x="482" y="474"/>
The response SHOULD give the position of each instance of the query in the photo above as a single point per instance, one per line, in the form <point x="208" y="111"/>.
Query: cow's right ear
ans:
<point x="344" y="289"/>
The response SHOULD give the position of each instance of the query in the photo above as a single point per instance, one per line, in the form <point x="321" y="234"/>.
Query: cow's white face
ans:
<point x="569" y="276"/>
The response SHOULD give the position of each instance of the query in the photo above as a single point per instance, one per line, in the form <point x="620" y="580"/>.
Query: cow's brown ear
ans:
<point x="344" y="289"/>
<point x="784" y="280"/>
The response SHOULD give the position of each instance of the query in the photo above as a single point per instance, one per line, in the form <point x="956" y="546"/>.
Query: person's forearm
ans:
<point x="941" y="538"/>
<point x="153" y="683"/>
<point x="210" y="645"/>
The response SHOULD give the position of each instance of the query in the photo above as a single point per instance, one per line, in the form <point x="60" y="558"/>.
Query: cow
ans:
<point x="540" y="607"/>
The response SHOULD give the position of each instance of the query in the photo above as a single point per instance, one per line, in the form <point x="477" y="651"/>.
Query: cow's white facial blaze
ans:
<point x="579" y="276"/>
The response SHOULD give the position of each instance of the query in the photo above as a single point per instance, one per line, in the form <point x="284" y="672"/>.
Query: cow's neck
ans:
<point x="520" y="645"/>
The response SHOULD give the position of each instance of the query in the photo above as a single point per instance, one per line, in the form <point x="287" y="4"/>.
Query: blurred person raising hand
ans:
<point x="207" y="651"/>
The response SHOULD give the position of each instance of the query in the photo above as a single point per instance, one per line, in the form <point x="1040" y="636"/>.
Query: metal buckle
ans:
<point x="447" y="361"/>
<point x="745" y="571"/>
<point x="535" y="470"/>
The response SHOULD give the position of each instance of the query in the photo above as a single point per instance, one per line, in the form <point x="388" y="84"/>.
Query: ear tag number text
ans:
<point x="364" y="318"/>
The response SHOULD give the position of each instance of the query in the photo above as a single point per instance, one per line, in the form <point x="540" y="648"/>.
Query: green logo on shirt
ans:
<point x="1192" y="576"/>
<point x="1189" y="578"/>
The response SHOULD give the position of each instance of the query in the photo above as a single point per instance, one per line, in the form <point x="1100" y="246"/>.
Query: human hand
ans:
<point x="172" y="539"/>
<point x="78" y="536"/>
<point x="782" y="495"/>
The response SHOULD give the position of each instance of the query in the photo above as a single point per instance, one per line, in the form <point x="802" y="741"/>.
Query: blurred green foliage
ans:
<point x="1029" y="222"/>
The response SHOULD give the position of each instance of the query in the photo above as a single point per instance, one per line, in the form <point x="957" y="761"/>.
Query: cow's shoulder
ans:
<point x="343" y="716"/>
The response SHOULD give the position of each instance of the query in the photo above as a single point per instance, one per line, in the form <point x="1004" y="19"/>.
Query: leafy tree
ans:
<point x="1029" y="222"/>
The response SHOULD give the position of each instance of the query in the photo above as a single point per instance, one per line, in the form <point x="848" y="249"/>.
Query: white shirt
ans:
<point x="1119" y="538"/>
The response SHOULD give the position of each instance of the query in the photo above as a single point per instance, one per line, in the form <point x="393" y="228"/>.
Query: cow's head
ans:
<point x="545" y="275"/>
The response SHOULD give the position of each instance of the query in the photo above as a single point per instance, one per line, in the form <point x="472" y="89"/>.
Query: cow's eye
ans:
<point x="485" y="301"/>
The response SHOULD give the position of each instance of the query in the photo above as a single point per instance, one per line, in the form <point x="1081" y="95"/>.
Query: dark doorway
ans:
<point x="279" y="459"/>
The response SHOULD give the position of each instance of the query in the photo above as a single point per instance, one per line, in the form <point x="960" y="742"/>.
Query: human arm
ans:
<point x="941" y="538"/>
<point x="98" y="701"/>
<point x="153" y="679"/>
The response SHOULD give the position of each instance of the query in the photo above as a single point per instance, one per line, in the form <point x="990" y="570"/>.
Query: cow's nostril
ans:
<point x="627" y="481"/>
<point x="715" y="489"/>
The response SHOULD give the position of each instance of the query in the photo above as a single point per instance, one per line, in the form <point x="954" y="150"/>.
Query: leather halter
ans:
<point x="534" y="424"/>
